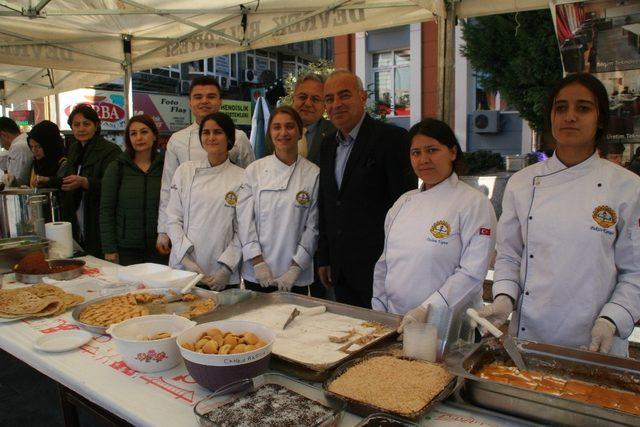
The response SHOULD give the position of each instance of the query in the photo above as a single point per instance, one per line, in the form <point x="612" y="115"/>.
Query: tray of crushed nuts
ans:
<point x="97" y="315"/>
<point x="382" y="381"/>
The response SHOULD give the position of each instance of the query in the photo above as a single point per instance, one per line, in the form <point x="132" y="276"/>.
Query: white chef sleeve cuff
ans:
<point x="436" y="299"/>
<point x="184" y="248"/>
<point x="302" y="257"/>
<point x="231" y="258"/>
<point x="620" y="316"/>
<point x="507" y="287"/>
<point x="251" y="250"/>
<point x="378" y="305"/>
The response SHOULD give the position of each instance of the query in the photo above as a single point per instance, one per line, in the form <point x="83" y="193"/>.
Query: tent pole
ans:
<point x="2" y="99"/>
<point x="446" y="58"/>
<point x="128" y="76"/>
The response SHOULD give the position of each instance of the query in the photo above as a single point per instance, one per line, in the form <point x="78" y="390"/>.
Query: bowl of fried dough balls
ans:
<point x="222" y="352"/>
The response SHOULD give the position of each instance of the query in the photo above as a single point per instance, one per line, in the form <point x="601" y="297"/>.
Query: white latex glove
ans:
<point x="602" y="335"/>
<point x="264" y="276"/>
<point x="415" y="315"/>
<point x="286" y="281"/>
<point x="497" y="312"/>
<point x="190" y="264"/>
<point x="219" y="279"/>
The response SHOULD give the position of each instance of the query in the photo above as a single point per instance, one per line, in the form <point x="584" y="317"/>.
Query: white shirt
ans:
<point x="185" y="146"/>
<point x="569" y="251"/>
<point x="19" y="159"/>
<point x="438" y="244"/>
<point x="278" y="216"/>
<point x="201" y="216"/>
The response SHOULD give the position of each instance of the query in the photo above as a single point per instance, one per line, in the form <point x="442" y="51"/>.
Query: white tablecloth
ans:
<point x="97" y="372"/>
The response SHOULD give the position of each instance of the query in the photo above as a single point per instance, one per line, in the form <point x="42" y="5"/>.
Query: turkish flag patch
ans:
<point x="485" y="231"/>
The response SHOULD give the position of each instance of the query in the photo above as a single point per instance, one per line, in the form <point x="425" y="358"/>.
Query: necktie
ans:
<point x="303" y="146"/>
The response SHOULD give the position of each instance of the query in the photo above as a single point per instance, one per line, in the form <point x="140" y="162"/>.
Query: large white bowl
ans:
<point x="214" y="371"/>
<point x="169" y="279"/>
<point x="137" y="272"/>
<point x="149" y="356"/>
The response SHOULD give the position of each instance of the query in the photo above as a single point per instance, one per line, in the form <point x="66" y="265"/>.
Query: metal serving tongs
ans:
<point x="507" y="341"/>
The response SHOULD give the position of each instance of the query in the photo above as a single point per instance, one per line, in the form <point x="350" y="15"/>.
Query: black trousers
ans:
<point x="347" y="294"/>
<point x="252" y="286"/>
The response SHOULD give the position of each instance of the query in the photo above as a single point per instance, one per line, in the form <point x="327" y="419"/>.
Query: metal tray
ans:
<point x="365" y="409"/>
<point x="238" y="389"/>
<point x="63" y="275"/>
<point x="173" y="307"/>
<point x="601" y="369"/>
<point x="306" y="371"/>
<point x="13" y="249"/>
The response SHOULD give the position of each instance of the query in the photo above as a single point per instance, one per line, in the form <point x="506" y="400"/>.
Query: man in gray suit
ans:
<point x="308" y="101"/>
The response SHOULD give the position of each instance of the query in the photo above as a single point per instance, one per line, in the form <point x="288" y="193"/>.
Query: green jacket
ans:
<point x="99" y="154"/>
<point x="129" y="204"/>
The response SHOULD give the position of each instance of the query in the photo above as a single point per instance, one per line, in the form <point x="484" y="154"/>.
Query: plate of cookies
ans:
<point x="39" y="300"/>
<point x="97" y="315"/>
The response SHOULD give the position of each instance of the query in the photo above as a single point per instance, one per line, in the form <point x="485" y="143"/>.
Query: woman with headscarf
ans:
<point x="49" y="162"/>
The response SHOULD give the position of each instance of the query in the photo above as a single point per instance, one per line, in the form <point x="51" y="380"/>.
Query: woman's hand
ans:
<point x="113" y="257"/>
<point x="73" y="182"/>
<point x="190" y="264"/>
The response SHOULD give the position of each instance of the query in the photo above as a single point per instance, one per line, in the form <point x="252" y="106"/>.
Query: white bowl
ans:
<point x="149" y="356"/>
<point x="169" y="279"/>
<point x="135" y="273"/>
<point x="214" y="371"/>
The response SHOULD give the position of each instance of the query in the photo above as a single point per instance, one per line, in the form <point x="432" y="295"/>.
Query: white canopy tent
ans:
<point x="49" y="46"/>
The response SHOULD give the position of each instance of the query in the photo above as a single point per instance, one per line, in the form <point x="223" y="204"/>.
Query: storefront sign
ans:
<point x="170" y="113"/>
<point x="239" y="111"/>
<point x="22" y="117"/>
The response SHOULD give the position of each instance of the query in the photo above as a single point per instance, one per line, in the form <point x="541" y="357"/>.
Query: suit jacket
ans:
<point x="377" y="172"/>
<point x="323" y="129"/>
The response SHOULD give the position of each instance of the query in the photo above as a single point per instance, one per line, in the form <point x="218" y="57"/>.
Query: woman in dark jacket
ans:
<point x="131" y="197"/>
<point x="88" y="157"/>
<point x="49" y="162"/>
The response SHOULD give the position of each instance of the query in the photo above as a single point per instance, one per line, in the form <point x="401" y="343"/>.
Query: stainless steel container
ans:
<point x="24" y="211"/>
<point x="12" y="250"/>
<point x="563" y="362"/>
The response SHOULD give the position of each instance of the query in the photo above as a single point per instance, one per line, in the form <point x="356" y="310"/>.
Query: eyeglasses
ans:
<point x="302" y="97"/>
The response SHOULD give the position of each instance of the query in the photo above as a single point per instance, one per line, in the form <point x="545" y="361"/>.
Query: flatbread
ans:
<point x="54" y="304"/>
<point x="43" y="290"/>
<point x="23" y="303"/>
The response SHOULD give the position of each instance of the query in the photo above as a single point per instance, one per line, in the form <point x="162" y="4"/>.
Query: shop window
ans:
<point x="391" y="82"/>
<point x="196" y="67"/>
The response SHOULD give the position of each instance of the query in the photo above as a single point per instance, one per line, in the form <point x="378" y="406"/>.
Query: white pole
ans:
<point x="128" y="77"/>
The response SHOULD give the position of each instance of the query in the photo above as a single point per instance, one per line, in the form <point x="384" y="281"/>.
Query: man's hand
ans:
<point x="73" y="182"/>
<point x="190" y="264"/>
<point x="163" y="244"/>
<point x="497" y="312"/>
<point x="264" y="276"/>
<point x="325" y="276"/>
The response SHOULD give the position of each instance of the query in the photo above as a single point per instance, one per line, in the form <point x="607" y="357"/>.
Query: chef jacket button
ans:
<point x="526" y="293"/>
<point x="599" y="184"/>
<point x="522" y="329"/>
<point x="530" y="217"/>
<point x="531" y="256"/>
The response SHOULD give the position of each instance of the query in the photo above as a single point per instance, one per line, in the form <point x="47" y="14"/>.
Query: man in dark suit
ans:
<point x="308" y="101"/>
<point x="364" y="168"/>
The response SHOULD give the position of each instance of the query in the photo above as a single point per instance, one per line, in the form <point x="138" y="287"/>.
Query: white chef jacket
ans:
<point x="19" y="159"/>
<point x="184" y="146"/>
<point x="438" y="244"/>
<point x="201" y="216"/>
<point x="569" y="251"/>
<point x="278" y="216"/>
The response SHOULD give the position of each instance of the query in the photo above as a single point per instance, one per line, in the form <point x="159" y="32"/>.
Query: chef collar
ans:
<point x="451" y="181"/>
<point x="554" y="164"/>
<point x="204" y="164"/>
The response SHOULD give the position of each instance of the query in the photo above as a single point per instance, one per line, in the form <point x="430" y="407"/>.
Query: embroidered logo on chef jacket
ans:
<point x="231" y="198"/>
<point x="604" y="216"/>
<point x="303" y="198"/>
<point x="484" y="231"/>
<point x="440" y="229"/>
